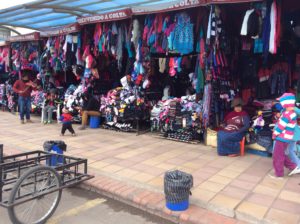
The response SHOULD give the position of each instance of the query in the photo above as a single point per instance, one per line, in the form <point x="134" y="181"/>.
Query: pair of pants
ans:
<point x="292" y="154"/>
<point x="85" y="115"/>
<point x="67" y="126"/>
<point x="48" y="111"/>
<point x="280" y="159"/>
<point x="278" y="83"/>
<point x="24" y="107"/>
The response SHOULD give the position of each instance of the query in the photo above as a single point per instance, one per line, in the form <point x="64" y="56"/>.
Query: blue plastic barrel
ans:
<point x="180" y="206"/>
<point x="94" y="121"/>
<point x="56" y="159"/>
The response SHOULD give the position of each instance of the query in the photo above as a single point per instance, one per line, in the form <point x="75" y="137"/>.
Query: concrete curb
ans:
<point x="152" y="202"/>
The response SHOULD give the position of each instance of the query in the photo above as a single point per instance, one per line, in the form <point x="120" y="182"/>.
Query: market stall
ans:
<point x="4" y="72"/>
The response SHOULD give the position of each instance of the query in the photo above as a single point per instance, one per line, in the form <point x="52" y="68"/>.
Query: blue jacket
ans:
<point x="297" y="127"/>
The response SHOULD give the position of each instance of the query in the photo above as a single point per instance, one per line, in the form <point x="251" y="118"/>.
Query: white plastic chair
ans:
<point x="57" y="111"/>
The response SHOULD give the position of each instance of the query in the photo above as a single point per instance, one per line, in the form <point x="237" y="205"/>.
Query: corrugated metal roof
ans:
<point x="41" y="14"/>
<point x="52" y="13"/>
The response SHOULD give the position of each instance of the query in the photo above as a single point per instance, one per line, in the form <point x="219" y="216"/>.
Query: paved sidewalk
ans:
<point x="132" y="167"/>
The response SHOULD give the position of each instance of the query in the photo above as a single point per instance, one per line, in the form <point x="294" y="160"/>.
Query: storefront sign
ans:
<point x="164" y="7"/>
<point x="26" y="37"/>
<point x="112" y="16"/>
<point x="230" y="1"/>
<point x="61" y="30"/>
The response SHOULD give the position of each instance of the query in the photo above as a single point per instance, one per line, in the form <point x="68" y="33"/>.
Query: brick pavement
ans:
<point x="131" y="168"/>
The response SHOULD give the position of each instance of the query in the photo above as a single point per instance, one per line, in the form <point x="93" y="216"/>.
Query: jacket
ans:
<point x="285" y="127"/>
<point x="66" y="118"/>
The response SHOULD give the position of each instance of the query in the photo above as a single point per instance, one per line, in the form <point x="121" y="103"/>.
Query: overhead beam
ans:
<point x="16" y="25"/>
<point x="67" y="11"/>
<point x="10" y="29"/>
<point x="83" y="4"/>
<point x="126" y="5"/>
<point x="61" y="7"/>
<point x="23" y="6"/>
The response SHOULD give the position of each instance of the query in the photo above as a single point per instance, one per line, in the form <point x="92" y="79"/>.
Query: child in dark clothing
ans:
<point x="66" y="119"/>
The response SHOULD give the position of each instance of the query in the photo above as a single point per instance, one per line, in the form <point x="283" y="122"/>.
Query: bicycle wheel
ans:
<point x="34" y="186"/>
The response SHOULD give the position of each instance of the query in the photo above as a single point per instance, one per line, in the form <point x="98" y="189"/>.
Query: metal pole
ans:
<point x="1" y="161"/>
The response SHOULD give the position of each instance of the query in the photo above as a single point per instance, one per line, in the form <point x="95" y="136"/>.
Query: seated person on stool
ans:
<point x="49" y="106"/>
<point x="236" y="124"/>
<point x="90" y="107"/>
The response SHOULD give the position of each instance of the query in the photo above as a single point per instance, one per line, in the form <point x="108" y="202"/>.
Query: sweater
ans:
<point x="285" y="127"/>
<point x="66" y="118"/>
<point x="21" y="86"/>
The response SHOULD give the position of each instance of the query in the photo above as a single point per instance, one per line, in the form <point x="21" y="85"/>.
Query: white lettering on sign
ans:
<point x="104" y="17"/>
<point x="185" y="3"/>
<point x="28" y="37"/>
<point x="180" y="5"/>
<point x="61" y="31"/>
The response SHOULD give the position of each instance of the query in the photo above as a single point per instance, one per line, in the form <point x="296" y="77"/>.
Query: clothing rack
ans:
<point x="171" y="55"/>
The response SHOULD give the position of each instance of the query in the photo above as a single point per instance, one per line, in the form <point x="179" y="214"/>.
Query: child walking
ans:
<point x="283" y="134"/>
<point x="66" y="119"/>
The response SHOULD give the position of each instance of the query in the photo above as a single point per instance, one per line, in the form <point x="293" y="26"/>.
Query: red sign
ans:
<point x="163" y="7"/>
<point x="230" y="1"/>
<point x="26" y="37"/>
<point x="111" y="16"/>
<point x="73" y="28"/>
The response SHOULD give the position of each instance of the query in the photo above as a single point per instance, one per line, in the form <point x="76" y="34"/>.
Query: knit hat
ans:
<point x="287" y="100"/>
<point x="237" y="102"/>
<point x="277" y="107"/>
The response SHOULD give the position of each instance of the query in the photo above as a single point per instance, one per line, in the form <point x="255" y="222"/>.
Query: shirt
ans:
<point x="21" y="86"/>
<point x="66" y="118"/>
<point x="91" y="105"/>
<point x="285" y="127"/>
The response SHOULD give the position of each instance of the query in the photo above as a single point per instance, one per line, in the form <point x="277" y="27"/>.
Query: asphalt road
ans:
<point x="83" y="207"/>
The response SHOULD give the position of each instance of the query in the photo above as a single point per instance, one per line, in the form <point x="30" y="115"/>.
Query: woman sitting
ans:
<point x="50" y="105"/>
<point x="236" y="124"/>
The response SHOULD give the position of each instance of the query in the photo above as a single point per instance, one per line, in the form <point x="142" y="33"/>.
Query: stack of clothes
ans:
<point x="178" y="118"/>
<point x="123" y="104"/>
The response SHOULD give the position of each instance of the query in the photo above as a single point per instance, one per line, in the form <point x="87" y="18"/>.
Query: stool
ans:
<point x="94" y="121"/>
<point x="242" y="146"/>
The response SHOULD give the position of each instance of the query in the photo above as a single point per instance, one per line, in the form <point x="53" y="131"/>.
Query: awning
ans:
<point x="52" y="13"/>
<point x="41" y="14"/>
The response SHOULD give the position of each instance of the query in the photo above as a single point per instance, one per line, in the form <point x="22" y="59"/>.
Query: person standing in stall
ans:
<point x="23" y="87"/>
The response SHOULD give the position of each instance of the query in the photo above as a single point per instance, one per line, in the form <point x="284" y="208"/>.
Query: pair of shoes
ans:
<point x="233" y="155"/>
<point x="45" y="122"/>
<point x="74" y="134"/>
<point x="29" y="121"/>
<point x="275" y="177"/>
<point x="82" y="128"/>
<point x="294" y="171"/>
<point x="22" y="122"/>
